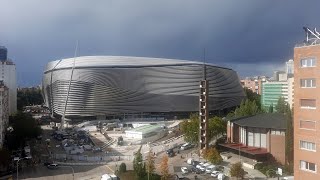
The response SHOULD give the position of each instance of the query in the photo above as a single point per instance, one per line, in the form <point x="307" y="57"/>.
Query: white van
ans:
<point x="190" y="161"/>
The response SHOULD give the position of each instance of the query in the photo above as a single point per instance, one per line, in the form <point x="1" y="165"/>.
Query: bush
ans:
<point x="122" y="168"/>
<point x="236" y="170"/>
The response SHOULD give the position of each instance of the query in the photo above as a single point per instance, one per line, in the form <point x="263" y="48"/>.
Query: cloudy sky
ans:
<point x="253" y="37"/>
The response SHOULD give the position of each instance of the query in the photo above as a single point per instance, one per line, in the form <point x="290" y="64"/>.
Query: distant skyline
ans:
<point x="252" y="37"/>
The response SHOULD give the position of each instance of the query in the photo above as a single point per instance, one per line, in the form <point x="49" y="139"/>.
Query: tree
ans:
<point x="252" y="96"/>
<point x="24" y="127"/>
<point x="28" y="96"/>
<point x="4" y="159"/>
<point x="164" y="168"/>
<point x="216" y="126"/>
<point x="237" y="171"/>
<point x="150" y="163"/>
<point x="270" y="108"/>
<point x="289" y="141"/>
<point x="138" y="165"/>
<point x="122" y="168"/>
<point x="212" y="155"/>
<point x="190" y="129"/>
<point x="246" y="108"/>
<point x="281" y="106"/>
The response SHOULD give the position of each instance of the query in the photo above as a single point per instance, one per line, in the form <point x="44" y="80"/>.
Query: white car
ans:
<point x="215" y="173"/>
<point x="185" y="146"/>
<point x="204" y="167"/>
<point x="210" y="169"/>
<point x="198" y="166"/>
<point x="184" y="170"/>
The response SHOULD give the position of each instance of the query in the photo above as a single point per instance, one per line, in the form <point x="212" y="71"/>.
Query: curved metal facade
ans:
<point x="103" y="85"/>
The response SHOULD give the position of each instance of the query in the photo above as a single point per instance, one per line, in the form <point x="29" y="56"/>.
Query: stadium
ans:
<point x="114" y="85"/>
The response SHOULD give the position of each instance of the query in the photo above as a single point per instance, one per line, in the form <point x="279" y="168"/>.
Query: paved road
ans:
<point x="64" y="173"/>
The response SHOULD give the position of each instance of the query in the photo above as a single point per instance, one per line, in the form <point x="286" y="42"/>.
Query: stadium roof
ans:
<point x="117" y="62"/>
<point x="264" y="120"/>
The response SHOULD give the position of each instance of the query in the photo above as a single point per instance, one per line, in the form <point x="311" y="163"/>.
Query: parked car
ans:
<point x="190" y="161"/>
<point x="184" y="170"/>
<point x="215" y="173"/>
<point x="186" y="146"/>
<point x="210" y="168"/>
<point x="198" y="166"/>
<point x="195" y="163"/>
<point x="195" y="170"/>
<point x="53" y="166"/>
<point x="204" y="167"/>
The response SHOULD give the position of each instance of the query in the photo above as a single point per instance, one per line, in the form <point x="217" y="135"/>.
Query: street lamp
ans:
<point x="18" y="159"/>
<point x="71" y="169"/>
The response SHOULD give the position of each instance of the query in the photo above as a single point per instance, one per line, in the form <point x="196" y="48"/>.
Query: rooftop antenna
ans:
<point x="312" y="36"/>
<point x="63" y="121"/>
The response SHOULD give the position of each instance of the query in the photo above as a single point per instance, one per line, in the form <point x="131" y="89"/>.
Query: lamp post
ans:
<point x="71" y="169"/>
<point x="18" y="159"/>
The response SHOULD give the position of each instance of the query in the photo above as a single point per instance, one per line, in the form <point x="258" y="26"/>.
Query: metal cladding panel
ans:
<point x="101" y="86"/>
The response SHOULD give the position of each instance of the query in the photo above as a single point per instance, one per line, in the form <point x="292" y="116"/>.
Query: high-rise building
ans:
<point x="290" y="68"/>
<point x="8" y="76"/>
<point x="306" y="108"/>
<point x="3" y="53"/>
<point x="272" y="91"/>
<point x="4" y="111"/>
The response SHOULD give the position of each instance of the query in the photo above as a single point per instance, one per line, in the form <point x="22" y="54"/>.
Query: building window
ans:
<point x="308" y="166"/>
<point x="308" y="83"/>
<point x="310" y="146"/>
<point x="278" y="132"/>
<point x="308" y="103"/>
<point x="308" y="62"/>
<point x="307" y="124"/>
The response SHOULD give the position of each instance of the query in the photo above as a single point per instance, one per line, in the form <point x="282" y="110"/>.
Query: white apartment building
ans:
<point x="4" y="111"/>
<point x="8" y="76"/>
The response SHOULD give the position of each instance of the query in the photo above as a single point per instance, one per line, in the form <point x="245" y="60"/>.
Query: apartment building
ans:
<point x="253" y="83"/>
<point x="4" y="111"/>
<point x="306" y="109"/>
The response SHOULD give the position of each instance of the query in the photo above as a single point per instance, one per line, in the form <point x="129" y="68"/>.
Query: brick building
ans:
<point x="306" y="109"/>
<point x="259" y="137"/>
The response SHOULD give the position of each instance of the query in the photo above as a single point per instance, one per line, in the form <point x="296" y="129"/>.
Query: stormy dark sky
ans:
<point x="253" y="37"/>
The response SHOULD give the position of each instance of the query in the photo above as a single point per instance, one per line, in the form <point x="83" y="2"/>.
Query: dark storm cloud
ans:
<point x="253" y="37"/>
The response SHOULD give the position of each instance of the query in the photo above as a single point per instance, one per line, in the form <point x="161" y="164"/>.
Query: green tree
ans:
<point x="122" y="168"/>
<point x="246" y="108"/>
<point x="284" y="108"/>
<point x="252" y="96"/>
<point x="138" y="165"/>
<point x="282" y="105"/>
<point x="289" y="141"/>
<point x="190" y="129"/>
<point x="24" y="127"/>
<point x="150" y="163"/>
<point x="270" y="108"/>
<point x="237" y="171"/>
<point x="28" y="96"/>
<point x="212" y="155"/>
<point x="216" y="126"/>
